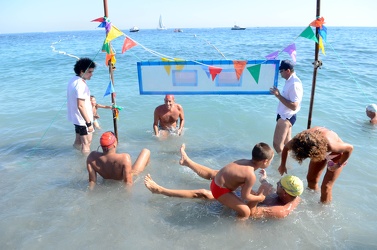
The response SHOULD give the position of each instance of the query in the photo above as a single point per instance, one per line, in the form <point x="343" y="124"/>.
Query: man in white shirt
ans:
<point x="289" y="104"/>
<point x="79" y="106"/>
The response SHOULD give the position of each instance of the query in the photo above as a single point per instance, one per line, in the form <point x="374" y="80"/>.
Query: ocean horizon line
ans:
<point x="173" y="28"/>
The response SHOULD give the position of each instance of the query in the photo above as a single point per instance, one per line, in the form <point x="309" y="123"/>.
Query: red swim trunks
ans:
<point x="218" y="191"/>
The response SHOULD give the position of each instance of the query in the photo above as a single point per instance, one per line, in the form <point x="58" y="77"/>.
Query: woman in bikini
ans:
<point x="323" y="147"/>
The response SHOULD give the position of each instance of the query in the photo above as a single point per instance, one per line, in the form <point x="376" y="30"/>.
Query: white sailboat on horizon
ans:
<point x="161" y="25"/>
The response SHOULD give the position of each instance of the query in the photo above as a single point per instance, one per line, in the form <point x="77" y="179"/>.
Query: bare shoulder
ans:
<point x="93" y="156"/>
<point x="159" y="108"/>
<point x="124" y="156"/>
<point x="179" y="106"/>
<point x="243" y="162"/>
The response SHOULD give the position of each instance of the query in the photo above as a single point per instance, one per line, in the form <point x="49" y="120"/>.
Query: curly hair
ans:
<point x="310" y="144"/>
<point x="83" y="64"/>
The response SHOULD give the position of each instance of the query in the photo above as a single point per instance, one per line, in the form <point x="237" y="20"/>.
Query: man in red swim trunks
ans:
<point x="111" y="165"/>
<point x="236" y="174"/>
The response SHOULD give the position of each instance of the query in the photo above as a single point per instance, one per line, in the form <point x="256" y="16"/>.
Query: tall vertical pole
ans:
<point x="111" y="72"/>
<point x="316" y="64"/>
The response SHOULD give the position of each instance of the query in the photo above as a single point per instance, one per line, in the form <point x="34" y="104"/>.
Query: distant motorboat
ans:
<point x="178" y="30"/>
<point x="161" y="25"/>
<point x="236" y="27"/>
<point x="134" y="29"/>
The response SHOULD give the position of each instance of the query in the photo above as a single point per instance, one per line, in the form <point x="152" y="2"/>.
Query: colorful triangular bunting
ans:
<point x="214" y="71"/>
<point x="291" y="50"/>
<point x="109" y="90"/>
<point x="167" y="67"/>
<point x="323" y="33"/>
<point x="239" y="66"/>
<point x="113" y="33"/>
<point x="272" y="56"/>
<point x="255" y="71"/>
<point x="128" y="44"/>
<point x="318" y="22"/>
<point x="309" y="34"/>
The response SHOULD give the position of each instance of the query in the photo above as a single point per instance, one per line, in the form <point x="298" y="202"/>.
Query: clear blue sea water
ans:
<point x="45" y="202"/>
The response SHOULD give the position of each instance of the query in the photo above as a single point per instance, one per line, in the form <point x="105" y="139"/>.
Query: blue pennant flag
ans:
<point x="109" y="90"/>
<point x="323" y="33"/>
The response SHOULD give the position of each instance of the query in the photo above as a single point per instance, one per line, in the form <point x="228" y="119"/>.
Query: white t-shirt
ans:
<point x="292" y="91"/>
<point x="78" y="89"/>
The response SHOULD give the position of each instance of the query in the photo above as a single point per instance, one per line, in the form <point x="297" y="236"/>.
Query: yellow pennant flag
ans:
<point x="179" y="67"/>
<point x="320" y="45"/>
<point x="113" y="33"/>
<point x="167" y="67"/>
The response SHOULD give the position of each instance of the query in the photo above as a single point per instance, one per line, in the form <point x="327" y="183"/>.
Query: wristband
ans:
<point x="88" y="124"/>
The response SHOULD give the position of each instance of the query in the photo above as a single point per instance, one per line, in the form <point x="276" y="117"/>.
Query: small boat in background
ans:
<point x="134" y="29"/>
<point x="161" y="25"/>
<point x="236" y="27"/>
<point x="178" y="30"/>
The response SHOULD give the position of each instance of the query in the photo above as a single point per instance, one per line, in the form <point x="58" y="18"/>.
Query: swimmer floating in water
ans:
<point x="371" y="111"/>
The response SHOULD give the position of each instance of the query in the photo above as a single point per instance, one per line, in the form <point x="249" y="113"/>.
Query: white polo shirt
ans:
<point x="78" y="89"/>
<point x="292" y="91"/>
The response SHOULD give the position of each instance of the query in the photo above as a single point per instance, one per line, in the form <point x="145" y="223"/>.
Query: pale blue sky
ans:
<point x="66" y="15"/>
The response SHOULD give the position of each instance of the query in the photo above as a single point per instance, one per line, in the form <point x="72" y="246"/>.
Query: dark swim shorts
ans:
<point x="81" y="130"/>
<point x="292" y="120"/>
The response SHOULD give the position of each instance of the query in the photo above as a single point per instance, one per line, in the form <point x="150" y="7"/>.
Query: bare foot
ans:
<point x="151" y="185"/>
<point x="184" y="157"/>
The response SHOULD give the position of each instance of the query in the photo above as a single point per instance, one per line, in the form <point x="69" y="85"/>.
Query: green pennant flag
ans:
<point x="106" y="47"/>
<point x="255" y="71"/>
<point x="308" y="33"/>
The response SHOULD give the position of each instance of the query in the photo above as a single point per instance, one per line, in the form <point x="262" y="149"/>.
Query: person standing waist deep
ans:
<point x="79" y="108"/>
<point x="289" y="105"/>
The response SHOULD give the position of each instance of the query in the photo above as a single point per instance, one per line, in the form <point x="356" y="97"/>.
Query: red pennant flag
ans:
<point x="128" y="44"/>
<point x="318" y="22"/>
<point x="100" y="19"/>
<point x="239" y="66"/>
<point x="214" y="71"/>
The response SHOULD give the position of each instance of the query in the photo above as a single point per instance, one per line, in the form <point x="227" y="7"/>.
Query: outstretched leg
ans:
<point x="202" y="171"/>
<point x="141" y="161"/>
<point x="157" y="189"/>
